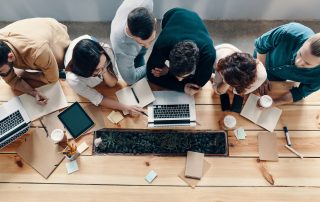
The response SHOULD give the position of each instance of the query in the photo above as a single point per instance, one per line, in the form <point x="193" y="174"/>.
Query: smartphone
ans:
<point x="237" y="103"/>
<point x="225" y="102"/>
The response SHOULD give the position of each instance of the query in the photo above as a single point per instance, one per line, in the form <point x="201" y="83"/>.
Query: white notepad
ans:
<point x="139" y="94"/>
<point x="56" y="101"/>
<point x="266" y="118"/>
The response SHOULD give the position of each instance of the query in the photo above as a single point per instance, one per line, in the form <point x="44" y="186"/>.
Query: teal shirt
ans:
<point x="281" y="45"/>
<point x="180" y="24"/>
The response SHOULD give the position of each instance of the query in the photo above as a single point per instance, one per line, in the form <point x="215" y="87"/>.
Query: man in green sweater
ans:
<point x="186" y="44"/>
<point x="290" y="52"/>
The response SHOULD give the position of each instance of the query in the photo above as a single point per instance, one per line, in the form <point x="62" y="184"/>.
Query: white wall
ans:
<point x="102" y="10"/>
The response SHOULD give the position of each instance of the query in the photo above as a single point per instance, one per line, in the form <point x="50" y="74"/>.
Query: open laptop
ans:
<point x="172" y="108"/>
<point x="17" y="114"/>
<point x="14" y="121"/>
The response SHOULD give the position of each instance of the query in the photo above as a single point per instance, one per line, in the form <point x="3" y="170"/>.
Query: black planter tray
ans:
<point x="161" y="142"/>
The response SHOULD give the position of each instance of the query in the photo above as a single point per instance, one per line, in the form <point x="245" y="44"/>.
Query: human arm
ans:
<point x="128" y="71"/>
<point x="20" y="84"/>
<point x="45" y="61"/>
<point x="296" y="93"/>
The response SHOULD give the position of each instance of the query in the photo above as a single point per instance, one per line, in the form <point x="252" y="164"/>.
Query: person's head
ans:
<point x="141" y="25"/>
<point x="238" y="70"/>
<point x="309" y="53"/>
<point x="88" y="58"/>
<point x="6" y="57"/>
<point x="183" y="58"/>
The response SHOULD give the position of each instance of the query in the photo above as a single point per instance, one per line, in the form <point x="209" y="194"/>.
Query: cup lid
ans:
<point x="230" y="121"/>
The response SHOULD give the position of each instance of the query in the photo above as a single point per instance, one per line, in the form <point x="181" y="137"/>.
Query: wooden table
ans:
<point x="233" y="178"/>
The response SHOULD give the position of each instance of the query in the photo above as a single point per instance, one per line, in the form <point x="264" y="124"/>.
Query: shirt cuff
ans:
<point x="296" y="94"/>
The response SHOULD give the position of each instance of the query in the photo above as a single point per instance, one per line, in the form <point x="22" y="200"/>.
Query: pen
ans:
<point x="135" y="96"/>
<point x="144" y="113"/>
<point x="286" y="133"/>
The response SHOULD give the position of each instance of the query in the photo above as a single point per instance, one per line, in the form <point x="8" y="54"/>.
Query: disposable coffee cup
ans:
<point x="229" y="122"/>
<point x="57" y="135"/>
<point x="265" y="101"/>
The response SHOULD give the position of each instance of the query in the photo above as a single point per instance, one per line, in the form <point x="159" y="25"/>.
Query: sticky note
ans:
<point x="115" y="117"/>
<point x="72" y="166"/>
<point x="82" y="147"/>
<point x="151" y="176"/>
<point x="241" y="135"/>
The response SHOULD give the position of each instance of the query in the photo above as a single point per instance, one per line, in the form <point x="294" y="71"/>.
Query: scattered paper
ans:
<point x="151" y="176"/>
<point x="82" y="147"/>
<point x="115" y="117"/>
<point x="72" y="166"/>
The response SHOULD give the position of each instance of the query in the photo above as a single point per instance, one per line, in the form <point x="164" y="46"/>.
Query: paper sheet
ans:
<point x="56" y="101"/>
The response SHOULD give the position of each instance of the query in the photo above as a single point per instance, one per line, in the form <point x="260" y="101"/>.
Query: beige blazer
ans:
<point x="38" y="44"/>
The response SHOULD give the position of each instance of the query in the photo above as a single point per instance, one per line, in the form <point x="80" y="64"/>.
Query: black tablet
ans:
<point x="76" y="120"/>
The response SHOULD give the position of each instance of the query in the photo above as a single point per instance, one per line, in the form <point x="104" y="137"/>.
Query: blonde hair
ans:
<point x="315" y="44"/>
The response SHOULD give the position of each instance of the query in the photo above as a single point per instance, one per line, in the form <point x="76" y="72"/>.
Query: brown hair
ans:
<point x="238" y="70"/>
<point x="315" y="45"/>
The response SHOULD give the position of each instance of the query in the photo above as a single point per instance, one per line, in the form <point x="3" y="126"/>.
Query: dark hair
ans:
<point x="4" y="51"/>
<point x="141" y="23"/>
<point x="183" y="58"/>
<point x="86" y="57"/>
<point x="315" y="44"/>
<point x="238" y="70"/>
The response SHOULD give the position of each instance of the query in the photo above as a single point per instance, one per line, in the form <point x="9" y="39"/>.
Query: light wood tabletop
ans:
<point x="234" y="178"/>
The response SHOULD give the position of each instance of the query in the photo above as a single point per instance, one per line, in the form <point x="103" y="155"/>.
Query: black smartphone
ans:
<point x="225" y="102"/>
<point x="237" y="103"/>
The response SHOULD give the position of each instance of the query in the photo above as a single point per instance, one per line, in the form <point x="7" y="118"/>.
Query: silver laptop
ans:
<point x="14" y="121"/>
<point x="172" y="108"/>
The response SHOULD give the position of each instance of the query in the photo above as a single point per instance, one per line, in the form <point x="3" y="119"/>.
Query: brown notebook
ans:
<point x="40" y="152"/>
<point x="268" y="146"/>
<point x="194" y="165"/>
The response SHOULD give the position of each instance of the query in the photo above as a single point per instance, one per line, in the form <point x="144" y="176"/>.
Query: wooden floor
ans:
<point x="233" y="178"/>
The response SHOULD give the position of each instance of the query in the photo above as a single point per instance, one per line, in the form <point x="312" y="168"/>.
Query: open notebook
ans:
<point x="139" y="94"/>
<point x="266" y="118"/>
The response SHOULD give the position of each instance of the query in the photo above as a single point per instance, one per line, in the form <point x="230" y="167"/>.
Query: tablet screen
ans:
<point x="76" y="120"/>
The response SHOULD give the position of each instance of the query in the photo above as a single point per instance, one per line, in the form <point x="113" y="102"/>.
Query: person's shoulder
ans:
<point x="295" y="29"/>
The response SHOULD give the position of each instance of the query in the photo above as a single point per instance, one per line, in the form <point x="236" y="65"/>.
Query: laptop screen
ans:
<point x="76" y="120"/>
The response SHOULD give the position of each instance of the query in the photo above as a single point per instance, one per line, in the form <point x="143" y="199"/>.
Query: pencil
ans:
<point x="293" y="151"/>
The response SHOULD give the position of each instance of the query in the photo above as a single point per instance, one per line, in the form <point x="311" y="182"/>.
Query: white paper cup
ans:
<point x="229" y="122"/>
<point x="57" y="135"/>
<point x="265" y="101"/>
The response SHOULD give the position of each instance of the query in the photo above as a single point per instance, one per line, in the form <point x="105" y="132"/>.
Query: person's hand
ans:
<point x="133" y="110"/>
<point x="191" y="88"/>
<point x="265" y="88"/>
<point x="157" y="72"/>
<point x="40" y="98"/>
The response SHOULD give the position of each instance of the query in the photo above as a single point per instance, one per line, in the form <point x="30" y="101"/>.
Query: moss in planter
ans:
<point x="165" y="142"/>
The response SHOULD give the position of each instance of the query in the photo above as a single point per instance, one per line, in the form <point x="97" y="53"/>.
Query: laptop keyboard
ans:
<point x="171" y="111"/>
<point x="10" y="122"/>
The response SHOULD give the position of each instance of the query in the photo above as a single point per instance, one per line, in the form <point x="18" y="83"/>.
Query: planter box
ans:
<point x="161" y="142"/>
